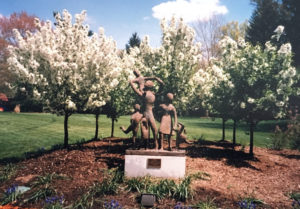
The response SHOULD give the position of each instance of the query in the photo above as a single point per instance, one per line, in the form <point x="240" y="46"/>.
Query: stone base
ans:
<point x="167" y="164"/>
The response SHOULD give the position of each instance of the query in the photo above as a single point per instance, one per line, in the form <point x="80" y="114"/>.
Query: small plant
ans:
<point x="7" y="171"/>
<point x="164" y="188"/>
<point x="295" y="196"/>
<point x="208" y="204"/>
<point x="10" y="195"/>
<point x="110" y="183"/>
<point x="117" y="175"/>
<point x="183" y="190"/>
<point x="84" y="202"/>
<point x="200" y="175"/>
<point x="246" y="204"/>
<point x="250" y="203"/>
<point x="296" y="204"/>
<point x="106" y="187"/>
<point x="139" y="184"/>
<point x="47" y="179"/>
<point x="40" y="193"/>
<point x="180" y="206"/>
<point x="112" y="205"/>
<point x="42" y="187"/>
<point x="54" y="202"/>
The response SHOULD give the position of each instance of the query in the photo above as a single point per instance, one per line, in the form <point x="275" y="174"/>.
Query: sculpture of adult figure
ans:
<point x="166" y="123"/>
<point x="140" y="80"/>
<point x="135" y="120"/>
<point x="148" y="96"/>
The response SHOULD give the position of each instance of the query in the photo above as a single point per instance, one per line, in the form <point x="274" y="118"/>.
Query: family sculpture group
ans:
<point x="143" y="117"/>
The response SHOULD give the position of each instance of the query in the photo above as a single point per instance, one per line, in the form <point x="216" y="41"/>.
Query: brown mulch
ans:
<point x="269" y="175"/>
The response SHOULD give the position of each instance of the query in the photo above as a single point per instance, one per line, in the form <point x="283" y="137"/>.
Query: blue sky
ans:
<point x="120" y="18"/>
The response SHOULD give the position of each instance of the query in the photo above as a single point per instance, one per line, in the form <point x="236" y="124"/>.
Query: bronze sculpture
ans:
<point x="166" y="123"/>
<point x="135" y="120"/>
<point x="143" y="116"/>
<point x="144" y="90"/>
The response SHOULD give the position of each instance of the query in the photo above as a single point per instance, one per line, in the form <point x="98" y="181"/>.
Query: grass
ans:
<point x="29" y="132"/>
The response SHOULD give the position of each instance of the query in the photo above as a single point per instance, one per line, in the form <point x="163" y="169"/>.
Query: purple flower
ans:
<point x="11" y="189"/>
<point x="112" y="205"/>
<point x="54" y="199"/>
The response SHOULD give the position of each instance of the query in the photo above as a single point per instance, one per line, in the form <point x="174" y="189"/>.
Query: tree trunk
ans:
<point x="251" y="137"/>
<point x="112" y="127"/>
<point x="97" y="126"/>
<point x="66" y="139"/>
<point x="223" y="129"/>
<point x="234" y="133"/>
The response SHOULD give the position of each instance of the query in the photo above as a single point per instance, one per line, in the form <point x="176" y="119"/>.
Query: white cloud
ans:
<point x="189" y="10"/>
<point x="1" y="15"/>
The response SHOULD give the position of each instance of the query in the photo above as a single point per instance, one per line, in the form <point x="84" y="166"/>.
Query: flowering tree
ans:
<point x="122" y="97"/>
<point x="101" y="75"/>
<point x="23" y="22"/>
<point x="262" y="78"/>
<point x="215" y="91"/>
<point x="174" y="62"/>
<point x="64" y="65"/>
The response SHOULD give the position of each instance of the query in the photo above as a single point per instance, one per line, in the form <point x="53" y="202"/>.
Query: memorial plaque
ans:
<point x="153" y="163"/>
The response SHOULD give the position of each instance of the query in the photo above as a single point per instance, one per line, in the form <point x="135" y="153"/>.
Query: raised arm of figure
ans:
<point x="155" y="78"/>
<point x="136" y="90"/>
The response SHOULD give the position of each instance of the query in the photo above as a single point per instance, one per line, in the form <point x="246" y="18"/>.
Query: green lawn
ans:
<point x="26" y="132"/>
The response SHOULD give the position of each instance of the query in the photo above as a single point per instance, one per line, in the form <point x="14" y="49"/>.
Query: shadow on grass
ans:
<point x="79" y="145"/>
<point x="220" y="150"/>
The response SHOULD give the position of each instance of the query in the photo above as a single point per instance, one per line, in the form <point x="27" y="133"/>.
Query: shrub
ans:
<point x="279" y="139"/>
<point x="293" y="132"/>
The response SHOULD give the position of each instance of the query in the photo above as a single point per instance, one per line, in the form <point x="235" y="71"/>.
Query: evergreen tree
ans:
<point x="134" y="41"/>
<point x="263" y="22"/>
<point x="290" y="16"/>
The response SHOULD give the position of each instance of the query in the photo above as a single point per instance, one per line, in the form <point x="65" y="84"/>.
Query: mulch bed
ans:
<point x="269" y="175"/>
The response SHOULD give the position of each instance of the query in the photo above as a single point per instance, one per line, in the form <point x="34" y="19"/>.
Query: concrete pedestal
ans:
<point x="155" y="163"/>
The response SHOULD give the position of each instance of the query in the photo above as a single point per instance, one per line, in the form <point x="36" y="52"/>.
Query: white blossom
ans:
<point x="64" y="61"/>
<point x="250" y="100"/>
<point x="279" y="29"/>
<point x="243" y="105"/>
